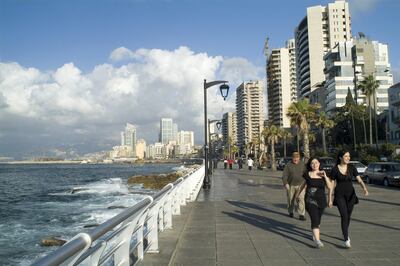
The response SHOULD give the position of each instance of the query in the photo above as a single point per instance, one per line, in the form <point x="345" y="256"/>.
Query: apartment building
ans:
<point x="281" y="78"/>
<point x="321" y="29"/>
<point x="229" y="127"/>
<point x="249" y="112"/>
<point x="348" y="63"/>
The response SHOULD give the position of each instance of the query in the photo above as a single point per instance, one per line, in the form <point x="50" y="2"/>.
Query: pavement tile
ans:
<point x="242" y="220"/>
<point x="238" y="262"/>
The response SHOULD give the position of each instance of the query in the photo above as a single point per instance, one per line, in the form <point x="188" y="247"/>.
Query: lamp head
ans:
<point x="224" y="89"/>
<point x="218" y="125"/>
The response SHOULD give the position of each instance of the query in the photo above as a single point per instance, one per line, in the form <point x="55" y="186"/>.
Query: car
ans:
<point x="282" y="162"/>
<point x="326" y="164"/>
<point x="360" y="168"/>
<point x="385" y="173"/>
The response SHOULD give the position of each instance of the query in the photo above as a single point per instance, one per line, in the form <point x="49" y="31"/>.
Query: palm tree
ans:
<point x="286" y="135"/>
<point x="302" y="113"/>
<point x="324" y="122"/>
<point x="368" y="86"/>
<point x="273" y="134"/>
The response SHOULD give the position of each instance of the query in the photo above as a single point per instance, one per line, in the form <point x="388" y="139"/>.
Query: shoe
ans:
<point x="302" y="218"/>
<point x="318" y="244"/>
<point x="347" y="243"/>
<point x="291" y="215"/>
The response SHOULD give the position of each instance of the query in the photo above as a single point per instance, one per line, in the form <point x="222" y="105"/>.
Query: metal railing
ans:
<point x="125" y="238"/>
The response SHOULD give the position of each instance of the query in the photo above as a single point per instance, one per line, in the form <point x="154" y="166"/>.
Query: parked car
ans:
<point x="360" y="168"/>
<point x="327" y="163"/>
<point x="282" y="162"/>
<point x="386" y="173"/>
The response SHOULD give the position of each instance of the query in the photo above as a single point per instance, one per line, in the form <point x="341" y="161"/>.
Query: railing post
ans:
<point x="168" y="212"/>
<point x="152" y="226"/>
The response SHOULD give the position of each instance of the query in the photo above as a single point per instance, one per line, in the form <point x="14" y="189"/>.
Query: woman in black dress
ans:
<point x="345" y="195"/>
<point x="315" y="199"/>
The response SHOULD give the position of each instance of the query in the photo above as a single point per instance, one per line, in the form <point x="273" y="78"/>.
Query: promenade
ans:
<point x="242" y="220"/>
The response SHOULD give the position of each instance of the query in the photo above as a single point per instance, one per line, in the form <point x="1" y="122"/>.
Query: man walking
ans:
<point x="292" y="179"/>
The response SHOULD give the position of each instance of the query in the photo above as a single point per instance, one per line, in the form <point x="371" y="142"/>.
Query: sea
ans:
<point x="44" y="200"/>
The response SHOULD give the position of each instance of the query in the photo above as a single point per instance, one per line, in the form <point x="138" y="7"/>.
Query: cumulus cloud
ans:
<point x="120" y="54"/>
<point x="361" y="6"/>
<point x="66" y="105"/>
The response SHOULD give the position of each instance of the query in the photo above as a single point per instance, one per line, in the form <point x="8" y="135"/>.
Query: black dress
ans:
<point x="344" y="186"/>
<point x="315" y="199"/>
<point x="345" y="196"/>
<point x="315" y="192"/>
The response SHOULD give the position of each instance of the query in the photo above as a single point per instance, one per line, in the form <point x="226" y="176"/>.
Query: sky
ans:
<point x="74" y="72"/>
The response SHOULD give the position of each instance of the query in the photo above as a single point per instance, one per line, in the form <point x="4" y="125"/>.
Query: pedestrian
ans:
<point x="240" y="162"/>
<point x="230" y="163"/>
<point x="345" y="196"/>
<point x="225" y="163"/>
<point x="314" y="183"/>
<point x="292" y="179"/>
<point x="250" y="163"/>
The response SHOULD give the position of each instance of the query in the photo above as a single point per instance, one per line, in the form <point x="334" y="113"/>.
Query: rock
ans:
<point x="155" y="181"/>
<point x="77" y="189"/>
<point x="116" y="207"/>
<point x="52" y="241"/>
<point x="90" y="225"/>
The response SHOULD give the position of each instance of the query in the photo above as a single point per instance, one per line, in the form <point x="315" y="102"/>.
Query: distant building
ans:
<point x="122" y="151"/>
<point x="394" y="114"/>
<point x="321" y="30"/>
<point x="347" y="64"/>
<point x="128" y="138"/>
<point x="229" y="127"/>
<point x="250" y="112"/>
<point x="141" y="149"/>
<point x="168" y="130"/>
<point x="282" y="87"/>
<point x="185" y="142"/>
<point x="155" y="151"/>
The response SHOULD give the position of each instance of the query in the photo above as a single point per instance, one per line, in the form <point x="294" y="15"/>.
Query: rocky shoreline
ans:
<point x="161" y="180"/>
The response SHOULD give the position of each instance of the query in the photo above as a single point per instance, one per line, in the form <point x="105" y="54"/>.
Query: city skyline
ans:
<point x="71" y="72"/>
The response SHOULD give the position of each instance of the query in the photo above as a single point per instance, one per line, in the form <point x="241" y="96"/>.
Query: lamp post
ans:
<point x="218" y="124"/>
<point x="224" y="89"/>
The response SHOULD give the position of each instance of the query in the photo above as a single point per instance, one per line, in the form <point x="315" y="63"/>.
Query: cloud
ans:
<point x="120" y="54"/>
<point x="362" y="6"/>
<point x="68" y="106"/>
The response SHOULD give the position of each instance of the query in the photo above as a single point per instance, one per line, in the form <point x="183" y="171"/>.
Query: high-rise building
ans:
<point x="140" y="148"/>
<point x="281" y="77"/>
<point x="321" y="29"/>
<point x="250" y="112"/>
<point x="185" y="142"/>
<point x="128" y="138"/>
<point x="229" y="128"/>
<point x="168" y="130"/>
<point x="372" y="58"/>
<point x="347" y="64"/>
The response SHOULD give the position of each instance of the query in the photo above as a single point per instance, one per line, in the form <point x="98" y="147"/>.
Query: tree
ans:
<point x="324" y="122"/>
<point x="368" y="86"/>
<point x="273" y="134"/>
<point x="286" y="135"/>
<point x="302" y="113"/>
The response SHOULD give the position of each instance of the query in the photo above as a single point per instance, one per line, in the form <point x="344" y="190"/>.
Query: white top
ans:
<point x="250" y="162"/>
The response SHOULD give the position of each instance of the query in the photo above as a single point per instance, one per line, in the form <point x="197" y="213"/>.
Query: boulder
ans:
<point x="52" y="241"/>
<point x="90" y="225"/>
<point x="155" y="181"/>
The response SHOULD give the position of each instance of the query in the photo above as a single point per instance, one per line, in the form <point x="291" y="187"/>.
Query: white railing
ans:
<point x="125" y="238"/>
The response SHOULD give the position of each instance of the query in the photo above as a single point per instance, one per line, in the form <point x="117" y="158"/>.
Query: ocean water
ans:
<point x="36" y="202"/>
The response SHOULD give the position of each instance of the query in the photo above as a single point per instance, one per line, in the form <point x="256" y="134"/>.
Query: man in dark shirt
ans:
<point x="292" y="179"/>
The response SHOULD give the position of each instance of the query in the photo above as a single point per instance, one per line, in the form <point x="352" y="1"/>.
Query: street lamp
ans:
<point x="224" y="89"/>
<point x="218" y="124"/>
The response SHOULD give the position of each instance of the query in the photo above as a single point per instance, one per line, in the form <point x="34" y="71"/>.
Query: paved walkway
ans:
<point x="242" y="220"/>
